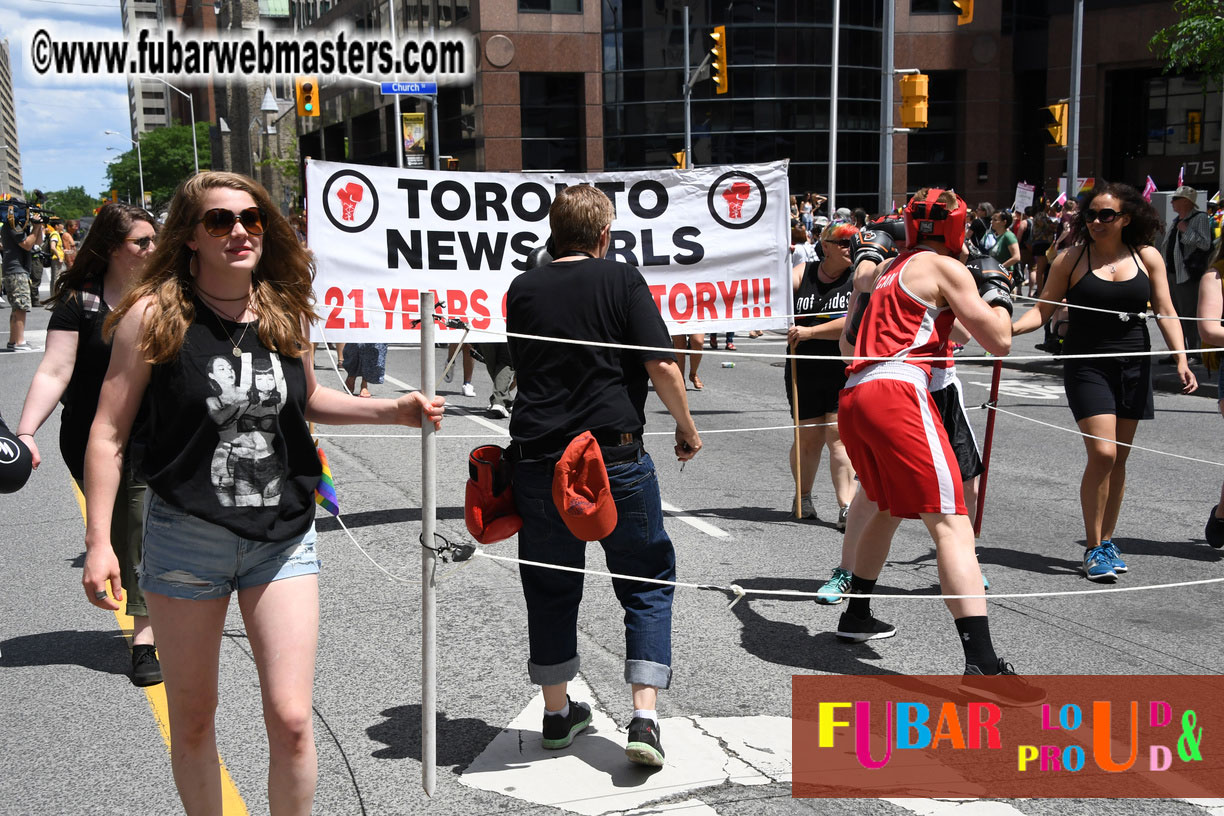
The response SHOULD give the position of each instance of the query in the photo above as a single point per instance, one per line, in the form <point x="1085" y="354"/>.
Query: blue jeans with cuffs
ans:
<point x="639" y="546"/>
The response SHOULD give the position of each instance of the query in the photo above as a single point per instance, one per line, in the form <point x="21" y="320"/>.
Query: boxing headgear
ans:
<point x="926" y="218"/>
<point x="894" y="225"/>
<point x="488" y="506"/>
<point x="15" y="461"/>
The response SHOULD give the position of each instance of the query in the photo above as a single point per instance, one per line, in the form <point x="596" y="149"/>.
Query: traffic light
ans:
<point x="965" y="9"/>
<point x="452" y="163"/>
<point x="914" y="101"/>
<point x="307" y="95"/>
<point x="680" y="163"/>
<point x="1056" y="124"/>
<point x="718" y="66"/>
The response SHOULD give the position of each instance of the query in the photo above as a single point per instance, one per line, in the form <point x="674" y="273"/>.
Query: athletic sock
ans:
<point x="648" y="713"/>
<point x="974" y="634"/>
<point x="860" y="607"/>
<point x="562" y="713"/>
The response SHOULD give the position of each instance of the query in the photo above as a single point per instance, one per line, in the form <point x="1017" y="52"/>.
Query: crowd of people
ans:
<point x="181" y="354"/>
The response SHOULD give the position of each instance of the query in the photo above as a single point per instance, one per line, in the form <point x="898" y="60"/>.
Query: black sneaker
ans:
<point x="854" y="629"/>
<point x="1215" y="530"/>
<point x="146" y="670"/>
<point x="1004" y="687"/>
<point x="560" y="731"/>
<point x="644" y="747"/>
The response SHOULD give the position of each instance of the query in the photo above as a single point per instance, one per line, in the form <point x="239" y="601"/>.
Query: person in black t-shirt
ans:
<point x="71" y="372"/>
<point x="229" y="279"/>
<point x="564" y="390"/>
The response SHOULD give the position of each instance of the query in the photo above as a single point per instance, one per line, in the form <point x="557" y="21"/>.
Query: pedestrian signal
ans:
<point x="965" y="11"/>
<point x="681" y="164"/>
<point x="452" y="163"/>
<point x="914" y="101"/>
<point x="1056" y="124"/>
<point x="718" y="65"/>
<point x="307" y="88"/>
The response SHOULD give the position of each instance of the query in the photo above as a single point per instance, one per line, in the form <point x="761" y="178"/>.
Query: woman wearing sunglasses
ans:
<point x="1119" y="270"/>
<point x="821" y="291"/>
<point x="228" y="280"/>
<point x="71" y="372"/>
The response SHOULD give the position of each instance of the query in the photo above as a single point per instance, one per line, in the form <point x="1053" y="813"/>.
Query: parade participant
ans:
<point x="72" y="371"/>
<point x="16" y="245"/>
<point x="822" y="292"/>
<point x="228" y="281"/>
<point x="564" y="391"/>
<point x="694" y="343"/>
<point x="901" y="454"/>
<point x="1187" y="245"/>
<point x="1006" y="249"/>
<point x="1116" y="269"/>
<point x="1211" y="329"/>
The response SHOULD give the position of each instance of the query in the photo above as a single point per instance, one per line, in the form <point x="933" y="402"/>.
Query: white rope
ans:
<point x="1121" y="315"/>
<point x="380" y="567"/>
<point x="1078" y="432"/>
<point x="648" y="433"/>
<point x="741" y="592"/>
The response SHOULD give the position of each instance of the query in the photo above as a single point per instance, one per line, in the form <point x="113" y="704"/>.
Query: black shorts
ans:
<point x="960" y="435"/>
<point x="818" y="389"/>
<point x="1121" y="386"/>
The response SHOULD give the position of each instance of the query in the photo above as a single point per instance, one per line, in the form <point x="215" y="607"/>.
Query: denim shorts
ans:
<point x="187" y="557"/>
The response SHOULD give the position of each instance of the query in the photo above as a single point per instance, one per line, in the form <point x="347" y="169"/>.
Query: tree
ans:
<point x="1194" y="44"/>
<point x="71" y="203"/>
<point x="167" y="158"/>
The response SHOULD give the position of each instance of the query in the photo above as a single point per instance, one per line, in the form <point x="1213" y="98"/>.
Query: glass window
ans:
<point x="551" y="118"/>
<point x="551" y="6"/>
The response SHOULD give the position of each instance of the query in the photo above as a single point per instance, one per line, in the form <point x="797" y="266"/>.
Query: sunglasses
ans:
<point x="843" y="243"/>
<point x="142" y="243"/>
<point x="1105" y="216"/>
<point x="220" y="222"/>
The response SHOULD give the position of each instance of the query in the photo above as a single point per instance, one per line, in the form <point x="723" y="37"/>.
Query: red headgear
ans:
<point x="927" y="218"/>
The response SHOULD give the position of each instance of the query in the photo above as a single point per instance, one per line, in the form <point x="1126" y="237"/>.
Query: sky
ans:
<point x="60" y="121"/>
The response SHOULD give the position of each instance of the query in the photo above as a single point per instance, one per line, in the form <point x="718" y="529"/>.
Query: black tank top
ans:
<point x="827" y="300"/>
<point x="226" y="438"/>
<point x="1089" y="332"/>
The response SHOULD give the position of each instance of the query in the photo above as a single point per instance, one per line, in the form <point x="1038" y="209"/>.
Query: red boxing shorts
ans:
<point x="897" y="443"/>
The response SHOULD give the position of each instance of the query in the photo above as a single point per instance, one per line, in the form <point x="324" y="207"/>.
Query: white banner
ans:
<point x="1024" y="196"/>
<point x="712" y="243"/>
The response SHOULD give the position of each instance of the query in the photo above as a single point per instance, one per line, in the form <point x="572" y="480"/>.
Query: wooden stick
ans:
<point x="794" y="369"/>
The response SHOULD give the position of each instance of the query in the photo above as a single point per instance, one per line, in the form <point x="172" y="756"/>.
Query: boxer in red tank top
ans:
<point x="894" y="435"/>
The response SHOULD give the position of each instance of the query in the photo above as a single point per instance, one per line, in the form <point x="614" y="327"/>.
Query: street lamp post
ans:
<point x="191" y="102"/>
<point x="139" y="162"/>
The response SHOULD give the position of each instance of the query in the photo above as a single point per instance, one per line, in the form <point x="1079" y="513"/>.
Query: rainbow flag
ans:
<point x="1148" y="189"/>
<point x="1181" y="176"/>
<point x="325" y="490"/>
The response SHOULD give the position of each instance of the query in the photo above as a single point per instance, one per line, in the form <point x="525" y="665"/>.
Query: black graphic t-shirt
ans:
<point x="830" y="301"/>
<point x="226" y="438"/>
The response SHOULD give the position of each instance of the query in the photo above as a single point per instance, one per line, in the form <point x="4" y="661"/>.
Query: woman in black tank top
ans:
<point x="1116" y="269"/>
<point x="213" y="336"/>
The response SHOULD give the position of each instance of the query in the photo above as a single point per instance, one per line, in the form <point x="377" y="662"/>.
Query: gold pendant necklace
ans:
<point x="237" y="352"/>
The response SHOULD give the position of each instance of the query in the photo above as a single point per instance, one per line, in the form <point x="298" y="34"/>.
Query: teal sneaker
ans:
<point x="1098" y="565"/>
<point x="1115" y="556"/>
<point x="831" y="592"/>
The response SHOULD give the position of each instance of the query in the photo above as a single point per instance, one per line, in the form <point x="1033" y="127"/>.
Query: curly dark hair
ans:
<point x="1144" y="224"/>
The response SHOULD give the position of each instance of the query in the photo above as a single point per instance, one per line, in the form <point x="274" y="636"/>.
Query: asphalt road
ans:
<point x="76" y="736"/>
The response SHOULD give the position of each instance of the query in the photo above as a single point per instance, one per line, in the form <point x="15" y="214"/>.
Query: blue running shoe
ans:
<point x="832" y="590"/>
<point x="1115" y="556"/>
<point x="1098" y="565"/>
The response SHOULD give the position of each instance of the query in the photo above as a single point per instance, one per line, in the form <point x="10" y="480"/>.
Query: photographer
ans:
<point x="18" y="243"/>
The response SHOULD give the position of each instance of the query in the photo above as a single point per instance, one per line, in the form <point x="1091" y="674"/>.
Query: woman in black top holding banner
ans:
<point x="213" y="337"/>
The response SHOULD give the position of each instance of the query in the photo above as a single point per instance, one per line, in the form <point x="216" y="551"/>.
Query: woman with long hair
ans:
<point x="71" y="372"/>
<point x="1119" y="271"/>
<point x="228" y="281"/>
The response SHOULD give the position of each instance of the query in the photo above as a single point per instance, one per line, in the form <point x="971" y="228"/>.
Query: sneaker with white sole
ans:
<point x="498" y="411"/>
<point x="468" y="390"/>
<point x="854" y="629"/>
<point x="807" y="510"/>
<point x="1098" y="565"/>
<point x="842" y="514"/>
<point x="1115" y="556"/>
<point x="834" y="588"/>
<point x="21" y="347"/>
<point x="644" y="746"/>
<point x="559" y="731"/>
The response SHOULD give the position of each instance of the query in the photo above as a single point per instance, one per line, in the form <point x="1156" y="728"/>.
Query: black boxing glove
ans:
<point x="871" y="245"/>
<point x="993" y="282"/>
<point x="539" y="256"/>
<point x="855" y="318"/>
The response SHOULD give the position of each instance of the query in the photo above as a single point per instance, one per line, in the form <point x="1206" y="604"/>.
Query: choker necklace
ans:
<point x="237" y="352"/>
<point x="249" y="292"/>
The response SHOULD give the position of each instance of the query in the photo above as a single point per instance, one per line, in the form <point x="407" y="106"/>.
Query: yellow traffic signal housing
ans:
<point x="718" y="66"/>
<point x="914" y="101"/>
<point x="307" y="88"/>
<point x="1056" y="123"/>
<point x="680" y="163"/>
<point x="965" y="9"/>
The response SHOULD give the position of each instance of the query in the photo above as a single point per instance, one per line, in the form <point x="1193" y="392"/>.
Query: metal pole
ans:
<point x="194" y="149"/>
<point x="688" y="98"/>
<point x="1077" y="35"/>
<point x="395" y="101"/>
<point x="429" y="559"/>
<point x="886" y="111"/>
<point x="433" y="130"/>
<point x="140" y="170"/>
<point x="833" y="112"/>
